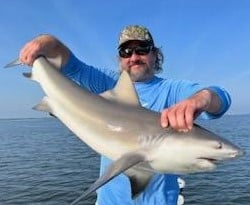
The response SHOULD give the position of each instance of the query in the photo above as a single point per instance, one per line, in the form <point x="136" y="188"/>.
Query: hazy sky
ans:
<point x="205" y="41"/>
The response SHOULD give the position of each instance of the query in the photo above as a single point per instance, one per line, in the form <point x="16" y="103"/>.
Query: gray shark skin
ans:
<point x="115" y="125"/>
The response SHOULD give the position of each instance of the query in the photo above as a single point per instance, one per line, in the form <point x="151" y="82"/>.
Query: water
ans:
<point x="43" y="163"/>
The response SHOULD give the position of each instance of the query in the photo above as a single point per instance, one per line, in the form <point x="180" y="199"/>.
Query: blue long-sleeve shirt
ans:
<point x="154" y="94"/>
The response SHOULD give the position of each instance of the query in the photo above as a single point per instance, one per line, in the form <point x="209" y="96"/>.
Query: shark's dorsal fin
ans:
<point x="124" y="91"/>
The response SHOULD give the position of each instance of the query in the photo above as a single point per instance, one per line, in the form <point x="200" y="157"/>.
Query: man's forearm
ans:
<point x="212" y="102"/>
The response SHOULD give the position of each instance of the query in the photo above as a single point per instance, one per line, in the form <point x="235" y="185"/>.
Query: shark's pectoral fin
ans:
<point x="117" y="167"/>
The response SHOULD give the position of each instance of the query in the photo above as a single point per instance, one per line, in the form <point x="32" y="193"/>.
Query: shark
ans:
<point x="115" y="125"/>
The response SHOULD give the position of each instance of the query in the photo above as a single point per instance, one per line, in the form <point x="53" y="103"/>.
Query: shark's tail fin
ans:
<point x="13" y="63"/>
<point x="56" y="61"/>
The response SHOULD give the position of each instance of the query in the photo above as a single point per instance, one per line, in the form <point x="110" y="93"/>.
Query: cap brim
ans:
<point x="127" y="41"/>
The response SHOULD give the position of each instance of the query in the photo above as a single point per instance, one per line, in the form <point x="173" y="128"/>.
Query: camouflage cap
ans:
<point x="135" y="32"/>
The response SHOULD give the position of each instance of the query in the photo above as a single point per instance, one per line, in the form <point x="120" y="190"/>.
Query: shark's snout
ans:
<point x="237" y="153"/>
<point x="234" y="151"/>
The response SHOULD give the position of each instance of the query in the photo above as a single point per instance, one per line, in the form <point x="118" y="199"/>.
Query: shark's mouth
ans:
<point x="212" y="160"/>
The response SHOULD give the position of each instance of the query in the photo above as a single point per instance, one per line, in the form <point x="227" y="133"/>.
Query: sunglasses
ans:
<point x="126" y="52"/>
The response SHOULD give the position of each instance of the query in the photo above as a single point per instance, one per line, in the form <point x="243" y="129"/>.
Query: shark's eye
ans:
<point x="219" y="145"/>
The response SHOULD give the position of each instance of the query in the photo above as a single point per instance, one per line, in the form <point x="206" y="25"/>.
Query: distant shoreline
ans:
<point x="49" y="117"/>
<point x="26" y="118"/>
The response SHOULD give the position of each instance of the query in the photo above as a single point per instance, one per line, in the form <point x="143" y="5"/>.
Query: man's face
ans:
<point x="138" y="59"/>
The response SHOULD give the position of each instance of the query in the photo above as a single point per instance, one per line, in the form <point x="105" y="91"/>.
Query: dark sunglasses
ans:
<point x="126" y="52"/>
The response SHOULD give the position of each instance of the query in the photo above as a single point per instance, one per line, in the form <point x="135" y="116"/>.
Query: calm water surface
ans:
<point x="42" y="162"/>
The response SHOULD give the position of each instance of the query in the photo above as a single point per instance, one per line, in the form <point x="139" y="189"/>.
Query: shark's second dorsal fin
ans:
<point x="56" y="61"/>
<point x="124" y="91"/>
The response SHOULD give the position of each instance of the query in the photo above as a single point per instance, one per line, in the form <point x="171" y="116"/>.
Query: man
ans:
<point x="180" y="102"/>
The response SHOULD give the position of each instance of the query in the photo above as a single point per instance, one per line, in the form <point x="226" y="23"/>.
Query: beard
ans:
<point x="139" y="71"/>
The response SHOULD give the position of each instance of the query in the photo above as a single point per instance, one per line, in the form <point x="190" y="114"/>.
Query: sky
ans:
<point x="204" y="41"/>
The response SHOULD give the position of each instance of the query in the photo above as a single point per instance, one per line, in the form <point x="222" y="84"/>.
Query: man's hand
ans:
<point x="45" y="45"/>
<point x="181" y="116"/>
